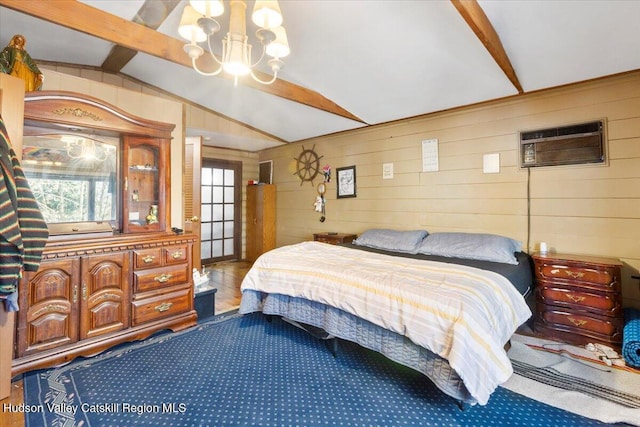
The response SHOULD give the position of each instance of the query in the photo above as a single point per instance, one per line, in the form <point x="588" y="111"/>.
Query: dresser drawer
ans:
<point x="608" y="304"/>
<point x="158" y="278"/>
<point x="175" y="254"/>
<point x="147" y="258"/>
<point x="160" y="306"/>
<point x="605" y="278"/>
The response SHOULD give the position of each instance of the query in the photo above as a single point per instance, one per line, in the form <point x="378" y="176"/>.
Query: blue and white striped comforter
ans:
<point x="463" y="314"/>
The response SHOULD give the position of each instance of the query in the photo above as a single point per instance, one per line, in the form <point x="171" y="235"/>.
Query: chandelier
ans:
<point x="198" y="25"/>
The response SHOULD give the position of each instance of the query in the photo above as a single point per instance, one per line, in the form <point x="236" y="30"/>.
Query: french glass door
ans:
<point x="221" y="209"/>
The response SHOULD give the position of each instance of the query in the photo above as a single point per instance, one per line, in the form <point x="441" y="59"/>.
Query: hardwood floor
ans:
<point x="226" y="276"/>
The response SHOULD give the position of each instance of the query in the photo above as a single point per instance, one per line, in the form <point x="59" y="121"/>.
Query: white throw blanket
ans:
<point x="463" y="314"/>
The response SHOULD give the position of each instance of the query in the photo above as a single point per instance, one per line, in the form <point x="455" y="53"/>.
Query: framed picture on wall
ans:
<point x="346" y="178"/>
<point x="266" y="172"/>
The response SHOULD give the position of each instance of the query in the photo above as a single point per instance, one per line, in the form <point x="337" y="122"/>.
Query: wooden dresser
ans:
<point x="578" y="299"/>
<point x="91" y="294"/>
<point x="334" y="238"/>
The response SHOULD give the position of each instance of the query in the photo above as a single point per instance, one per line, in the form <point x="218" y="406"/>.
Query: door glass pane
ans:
<point x="205" y="248"/>
<point x="217" y="213"/>
<point x="217" y="249"/>
<point x="228" y="228"/>
<point x="205" y="194"/>
<point x="206" y="176"/>
<point x="228" y="211"/>
<point x="218" y="176"/>
<point x="205" y="231"/>
<point x="217" y="194"/>
<point x="228" y="246"/>
<point x="217" y="230"/>
<point x="229" y="177"/>
<point x="228" y="194"/>
<point x="205" y="212"/>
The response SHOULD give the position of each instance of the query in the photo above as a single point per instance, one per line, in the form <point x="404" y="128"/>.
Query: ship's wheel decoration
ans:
<point x="307" y="165"/>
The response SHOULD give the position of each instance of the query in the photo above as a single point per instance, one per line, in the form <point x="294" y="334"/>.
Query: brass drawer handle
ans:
<point x="577" y="322"/>
<point x="576" y="298"/>
<point x="163" y="278"/>
<point x="163" y="307"/>
<point x="177" y="254"/>
<point x="147" y="259"/>
<point x="574" y="274"/>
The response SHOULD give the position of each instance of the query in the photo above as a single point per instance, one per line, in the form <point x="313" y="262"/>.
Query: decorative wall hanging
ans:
<point x="346" y="178"/>
<point x="307" y="165"/>
<point x="320" y="201"/>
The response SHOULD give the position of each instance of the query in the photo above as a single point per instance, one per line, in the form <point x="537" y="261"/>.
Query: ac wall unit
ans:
<point x="564" y="145"/>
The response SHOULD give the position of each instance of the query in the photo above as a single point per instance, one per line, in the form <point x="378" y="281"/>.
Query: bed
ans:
<point x="433" y="302"/>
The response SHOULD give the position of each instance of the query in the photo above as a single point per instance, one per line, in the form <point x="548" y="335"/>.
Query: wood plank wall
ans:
<point x="587" y="209"/>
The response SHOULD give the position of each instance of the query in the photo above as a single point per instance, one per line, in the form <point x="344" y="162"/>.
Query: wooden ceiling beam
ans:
<point x="152" y="14"/>
<point x="482" y="27"/>
<point x="97" y="23"/>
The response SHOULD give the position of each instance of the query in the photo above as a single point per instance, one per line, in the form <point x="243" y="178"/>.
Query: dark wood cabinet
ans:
<point x="578" y="299"/>
<point x="261" y="220"/>
<point x="81" y="301"/>
<point x="334" y="238"/>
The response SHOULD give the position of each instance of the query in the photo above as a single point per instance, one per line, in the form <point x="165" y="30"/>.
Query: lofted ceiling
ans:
<point x="352" y="63"/>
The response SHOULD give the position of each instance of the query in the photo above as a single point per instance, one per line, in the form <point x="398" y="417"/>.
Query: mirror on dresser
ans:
<point x="74" y="178"/>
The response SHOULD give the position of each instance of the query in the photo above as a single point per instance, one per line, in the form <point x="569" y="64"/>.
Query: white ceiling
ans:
<point x="380" y="60"/>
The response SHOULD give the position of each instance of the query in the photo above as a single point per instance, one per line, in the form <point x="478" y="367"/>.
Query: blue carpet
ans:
<point x="245" y="371"/>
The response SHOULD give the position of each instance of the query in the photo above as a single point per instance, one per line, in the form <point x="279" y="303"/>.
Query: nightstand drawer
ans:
<point x="608" y="304"/>
<point x="334" y="238"/>
<point x="583" y="324"/>
<point x="604" y="278"/>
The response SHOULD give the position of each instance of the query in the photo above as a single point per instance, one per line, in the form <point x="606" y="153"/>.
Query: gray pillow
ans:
<point x="392" y="240"/>
<point x="486" y="247"/>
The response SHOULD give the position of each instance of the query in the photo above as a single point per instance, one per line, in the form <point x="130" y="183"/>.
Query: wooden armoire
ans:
<point x="96" y="288"/>
<point x="261" y="220"/>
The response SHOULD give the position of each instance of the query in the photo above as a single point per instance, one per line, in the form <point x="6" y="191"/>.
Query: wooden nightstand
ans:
<point x="334" y="238"/>
<point x="578" y="299"/>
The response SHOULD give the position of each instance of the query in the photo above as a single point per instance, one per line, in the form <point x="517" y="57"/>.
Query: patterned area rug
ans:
<point x="245" y="371"/>
<point x="574" y="379"/>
